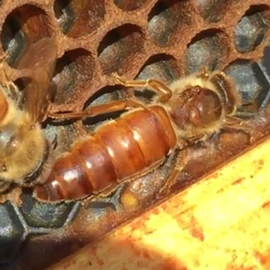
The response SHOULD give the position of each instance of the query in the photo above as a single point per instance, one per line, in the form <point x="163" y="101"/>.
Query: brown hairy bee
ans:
<point x="140" y="140"/>
<point x="24" y="150"/>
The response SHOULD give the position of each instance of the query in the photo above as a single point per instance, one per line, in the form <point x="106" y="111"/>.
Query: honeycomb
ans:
<point x="162" y="39"/>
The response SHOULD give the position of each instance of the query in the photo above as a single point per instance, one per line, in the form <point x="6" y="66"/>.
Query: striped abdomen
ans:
<point x="118" y="150"/>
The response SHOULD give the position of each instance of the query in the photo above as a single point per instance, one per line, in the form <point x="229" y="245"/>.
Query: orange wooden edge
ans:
<point x="221" y="222"/>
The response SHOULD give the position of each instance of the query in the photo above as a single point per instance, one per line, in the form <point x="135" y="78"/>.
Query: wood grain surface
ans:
<point x="221" y="222"/>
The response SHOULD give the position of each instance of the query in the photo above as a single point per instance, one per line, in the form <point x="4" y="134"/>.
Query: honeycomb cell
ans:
<point x="11" y="232"/>
<point x="119" y="48"/>
<point x="169" y="18"/>
<point x="79" y="18"/>
<point x="25" y="25"/>
<point x="214" y="10"/>
<point x="205" y="50"/>
<point x="128" y="5"/>
<point x="250" y="82"/>
<point x="38" y="214"/>
<point x="160" y="66"/>
<point x="104" y="95"/>
<point x="74" y="71"/>
<point x="251" y="30"/>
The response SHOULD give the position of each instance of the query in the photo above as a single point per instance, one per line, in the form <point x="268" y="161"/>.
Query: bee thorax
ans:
<point x="24" y="152"/>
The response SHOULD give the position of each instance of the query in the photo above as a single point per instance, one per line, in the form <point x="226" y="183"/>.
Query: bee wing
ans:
<point x="36" y="68"/>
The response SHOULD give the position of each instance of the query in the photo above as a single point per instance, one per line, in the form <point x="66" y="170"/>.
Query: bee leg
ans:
<point x="160" y="88"/>
<point x="4" y="186"/>
<point x="54" y="142"/>
<point x="180" y="163"/>
<point x="237" y="124"/>
<point x="113" y="106"/>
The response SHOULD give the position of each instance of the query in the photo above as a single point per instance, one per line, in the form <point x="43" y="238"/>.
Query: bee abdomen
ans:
<point x="68" y="179"/>
<point x="124" y="151"/>
<point x="117" y="150"/>
<point x="84" y="170"/>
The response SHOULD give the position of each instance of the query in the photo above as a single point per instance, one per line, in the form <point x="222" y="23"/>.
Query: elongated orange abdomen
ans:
<point x="118" y="150"/>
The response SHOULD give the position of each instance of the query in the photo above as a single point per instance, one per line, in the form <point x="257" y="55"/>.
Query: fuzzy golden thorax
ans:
<point x="22" y="147"/>
<point x="200" y="104"/>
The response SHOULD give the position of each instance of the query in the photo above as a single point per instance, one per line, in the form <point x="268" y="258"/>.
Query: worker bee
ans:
<point x="24" y="150"/>
<point x="140" y="140"/>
